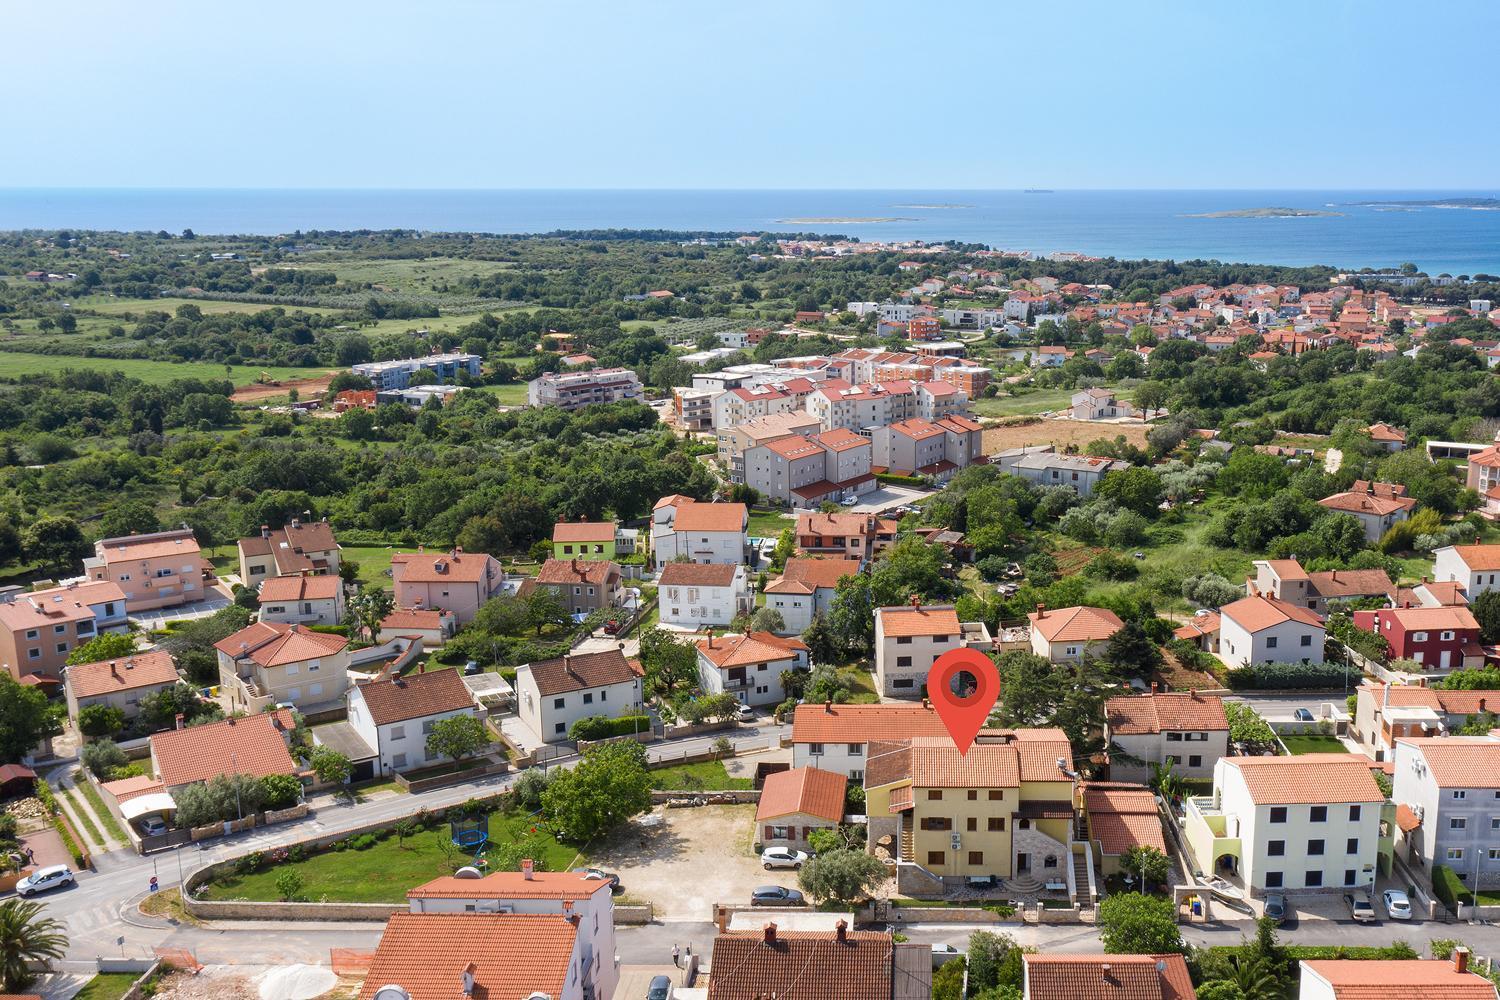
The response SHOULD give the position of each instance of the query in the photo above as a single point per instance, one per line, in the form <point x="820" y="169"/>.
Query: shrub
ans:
<point x="1286" y="676"/>
<point x="103" y="758"/>
<point x="249" y="863"/>
<point x="363" y="842"/>
<point x="289" y="885"/>
<point x="1448" y="888"/>
<point x="598" y="727"/>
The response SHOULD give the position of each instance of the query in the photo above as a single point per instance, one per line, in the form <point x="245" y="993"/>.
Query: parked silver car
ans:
<point x="45" y="880"/>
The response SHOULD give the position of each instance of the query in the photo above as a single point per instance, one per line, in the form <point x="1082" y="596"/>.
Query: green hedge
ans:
<point x="1448" y="888"/>
<point x="597" y="727"/>
<point x="895" y="480"/>
<point x="1288" y="676"/>
<point x="342" y="630"/>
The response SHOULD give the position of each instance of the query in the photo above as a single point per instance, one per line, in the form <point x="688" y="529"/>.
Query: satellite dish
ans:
<point x="468" y="871"/>
<point x="392" y="992"/>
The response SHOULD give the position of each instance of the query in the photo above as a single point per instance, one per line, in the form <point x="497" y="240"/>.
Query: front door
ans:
<point x="1444" y="659"/>
<point x="1023" y="862"/>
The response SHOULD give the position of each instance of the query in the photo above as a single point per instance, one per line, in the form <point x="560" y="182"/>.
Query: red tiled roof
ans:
<point x="1080" y="624"/>
<point x="753" y="647"/>
<point x="710" y="517"/>
<point x="127" y="673"/>
<point x="1258" y="612"/>
<point x="863" y="723"/>
<point x="461" y="567"/>
<point x="1479" y="557"/>
<point x="300" y="588"/>
<point x="1310" y="778"/>
<point x="802" y="965"/>
<point x="680" y="574"/>
<point x="841" y="439"/>
<point x="1460" y="761"/>
<point x="427" y="620"/>
<point x="563" y="572"/>
<point x="1200" y="625"/>
<point x="803" y="575"/>
<point x="903" y="620"/>
<point x="57" y="604"/>
<point x="1122" y="816"/>
<point x="583" y="670"/>
<point x="416" y="696"/>
<point x="805" y="790"/>
<point x="1155" y="713"/>
<point x="1382" y="979"/>
<point x="583" y="531"/>
<point x="512" y="955"/>
<point x="1367" y="503"/>
<point x="1108" y="977"/>
<point x="274" y="644"/>
<point x="132" y="547"/>
<point x="252" y="745"/>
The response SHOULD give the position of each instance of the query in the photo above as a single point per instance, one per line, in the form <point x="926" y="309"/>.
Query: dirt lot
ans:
<point x="698" y="857"/>
<point x="228" y="982"/>
<point x="306" y="387"/>
<point x="1060" y="433"/>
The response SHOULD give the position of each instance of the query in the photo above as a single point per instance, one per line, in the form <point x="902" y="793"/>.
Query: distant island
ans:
<point x="840" y="220"/>
<point x="1038" y="191"/>
<point x="1484" y="204"/>
<point x="932" y="206"/>
<point x="1264" y="213"/>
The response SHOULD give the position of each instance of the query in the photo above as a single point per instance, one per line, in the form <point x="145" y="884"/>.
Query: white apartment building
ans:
<point x="551" y="695"/>
<point x="1451" y="786"/>
<point x="701" y="532"/>
<point x="736" y="406"/>
<point x="385" y="375"/>
<point x="910" y="638"/>
<point x="749" y="666"/>
<point x="575" y="390"/>
<point x="1260" y="629"/>
<point x="692" y="595"/>
<point x="394" y="718"/>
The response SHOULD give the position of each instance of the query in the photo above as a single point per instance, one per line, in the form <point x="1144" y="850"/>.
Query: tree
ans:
<point x="1210" y="590"/>
<point x="357" y="424"/>
<point x="609" y="785"/>
<point x="1150" y="396"/>
<point x="100" y="720"/>
<point x="368" y="609"/>
<point x="767" y="620"/>
<point x="331" y="767"/>
<point x="843" y="876"/>
<point x="1486" y="679"/>
<point x="280" y="791"/>
<point x="1133" y="924"/>
<point x="1028" y="689"/>
<point x="105" y="646"/>
<point x="1133" y="652"/>
<point x="25" y="937"/>
<point x="227" y="797"/>
<point x="544" y="607"/>
<point x="56" y="542"/>
<point x="289" y="885"/>
<point x="457" y="737"/>
<point x="25" y="718"/>
<point x="133" y="517"/>
<point x="1145" y="863"/>
<point x="1246" y="724"/>
<point x="102" y="757"/>
<point x="1486" y="609"/>
<point x="786" y="547"/>
<point x="948" y="981"/>
<point x="671" y="665"/>
<point x="994" y="962"/>
<point x="1135" y="489"/>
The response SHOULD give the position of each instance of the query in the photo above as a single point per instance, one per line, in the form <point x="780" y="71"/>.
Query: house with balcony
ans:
<point x="159" y="570"/>
<point x="850" y="536"/>
<point x="1286" y="580"/>
<point x="1100" y="404"/>
<point x="393" y="718"/>
<point x="39" y="629"/>
<point x="833" y="737"/>
<point x="734" y="440"/>
<point x="273" y="663"/>
<point x="1450" y="787"/>
<point x="581" y="586"/>
<point x="909" y="638"/>
<point x="1042" y="465"/>
<point x="1067" y="635"/>
<point x="681" y="527"/>
<point x="302" y="600"/>
<point x="1475" y="568"/>
<point x="456" y="581"/>
<point x="1260" y="629"/>
<point x="749" y="665"/>
<point x="1440" y="639"/>
<point x="1385" y="713"/>
<point x="1143" y="731"/>
<point x="805" y="588"/>
<point x="119" y="683"/>
<point x="553" y="694"/>
<point x="386" y="375"/>
<point x="299" y="548"/>
<point x="575" y="390"/>
<point x="1304" y="824"/>
<point x="695" y="596"/>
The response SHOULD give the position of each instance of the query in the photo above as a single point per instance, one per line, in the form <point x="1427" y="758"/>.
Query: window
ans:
<point x="1278" y="814"/>
<point x="1195" y="760"/>
<point x="1276" y="848"/>
<point x="1174" y="737"/>
<point x="1271" y="642"/>
<point x="32" y="633"/>
<point x="855" y="775"/>
<point x="427" y="727"/>
<point x="903" y="682"/>
<point x="1351" y="846"/>
<point x="560" y="728"/>
<point x="1447" y="636"/>
<point x="35" y="654"/>
<point x="398" y="732"/>
<point x="996" y="824"/>
<point x="1314" y="847"/>
<point x="1317" y="814"/>
<point x="815" y="748"/>
<point x="1495" y="822"/>
<point x="997" y="795"/>
<point x="973" y="824"/>
<point x="1307" y="640"/>
<point x="398" y="761"/>
<point x="1349" y="876"/>
<point x="1460" y="793"/>
<point x="292" y="669"/>
<point x="1273" y="880"/>
<point x="1419" y="637"/>
<point x="316" y="689"/>
<point x="1313" y="880"/>
<point x="976" y="857"/>
<point x="1354" y="814"/>
<point x="1455" y="854"/>
<point x="559" y="702"/>
<point x="314" y="665"/>
<point x="973" y="794"/>
<point x="903" y="661"/>
<point x="1457" y="822"/>
<point x="59" y="629"/>
<point x="903" y="640"/>
<point x="936" y="858"/>
<point x="588" y="697"/>
<point x="1495" y="853"/>
<point x="62" y="647"/>
<point x="934" y="795"/>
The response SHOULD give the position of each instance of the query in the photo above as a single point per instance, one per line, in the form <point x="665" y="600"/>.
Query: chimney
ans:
<point x="927" y="704"/>
<point x="1460" y="960"/>
<point x="1153" y="687"/>
<point x="915" y="601"/>
<point x="179" y="720"/>
<point x="1041" y="611"/>
<point x="528" y="867"/>
<point x="296" y="522"/>
<point x="422" y="667"/>
<point x="1335" y="576"/>
<point x="265" y="531"/>
<point x="1406" y="604"/>
<point x="841" y="931"/>
<point x="468" y="982"/>
<point x="770" y="933"/>
<point x="113" y="670"/>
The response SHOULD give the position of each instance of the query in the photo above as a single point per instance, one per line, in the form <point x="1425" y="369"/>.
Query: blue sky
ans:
<point x="770" y="94"/>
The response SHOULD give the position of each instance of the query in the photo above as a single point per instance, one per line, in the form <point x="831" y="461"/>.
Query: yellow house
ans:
<point x="1003" y="810"/>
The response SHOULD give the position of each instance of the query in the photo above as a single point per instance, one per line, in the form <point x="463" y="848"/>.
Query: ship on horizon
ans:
<point x="1038" y="191"/>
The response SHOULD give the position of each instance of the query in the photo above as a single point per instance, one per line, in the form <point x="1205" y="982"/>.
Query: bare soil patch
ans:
<point x="1059" y="433"/>
<point x="263" y="390"/>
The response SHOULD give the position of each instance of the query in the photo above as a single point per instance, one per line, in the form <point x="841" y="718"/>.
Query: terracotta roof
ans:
<point x="41" y="608"/>
<point x="998" y="759"/>
<point x="802" y="965"/>
<point x="1367" y="503"/>
<point x="681" y="574"/>
<point x="904" y="620"/>
<point x="274" y="644"/>
<point x="1381" y="979"/>
<point x="1107" y="977"/>
<point x="442" y="567"/>
<point x="753" y="647"/>
<point x="416" y="696"/>
<point x="566" y="572"/>
<point x="806" y="790"/>
<point x="582" y="670"/>
<point x="1122" y="816"/>
<point x="126" y="673"/>
<point x="863" y="723"/>
<point x="833" y="524"/>
<point x="917" y="428"/>
<point x="1309" y="778"/>
<point x="1406" y="819"/>
<point x="1460" y="761"/>
<point x="289" y="544"/>
<point x="1351" y="582"/>
<point x="1431" y="619"/>
<point x="1469" y="702"/>
<point x="1200" y="625"/>
<point x="1479" y="557"/>
<point x="252" y="745"/>
<point x="1404" y="695"/>
<point x="153" y="546"/>
<point x="1258" y="612"/>
<point x="803" y="575"/>
<point x="959" y="422"/>
<point x="710" y="517"/>
<point x="512" y="955"/>
<point x="1385" y="432"/>
<point x="300" y="588"/>
<point x="841" y="439"/>
<point x="1080" y="624"/>
<point x="1445" y="592"/>
<point x="583" y="531"/>
<point x="413" y="618"/>
<point x="132" y="788"/>
<point x="795" y="447"/>
<point x="510" y="885"/>
<point x="1155" y="713"/>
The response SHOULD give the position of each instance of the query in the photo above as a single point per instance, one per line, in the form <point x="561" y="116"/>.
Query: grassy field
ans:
<point x="373" y="560"/>
<point x="708" y="775"/>
<point x="14" y="363"/>
<point x="1034" y="401"/>
<point x="507" y="395"/>
<point x="1314" y="744"/>
<point x="108" y="305"/>
<point x="769" y="524"/>
<point x="1060" y="434"/>
<point x="433" y="275"/>
<point x="383" y="873"/>
<point x="107" y="986"/>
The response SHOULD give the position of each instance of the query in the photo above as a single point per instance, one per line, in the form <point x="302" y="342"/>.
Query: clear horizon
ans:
<point x="1468" y="191"/>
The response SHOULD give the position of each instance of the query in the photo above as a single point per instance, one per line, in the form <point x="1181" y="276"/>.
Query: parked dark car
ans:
<point x="660" y="989"/>
<point x="775" y="895"/>
<point x="1276" y="908"/>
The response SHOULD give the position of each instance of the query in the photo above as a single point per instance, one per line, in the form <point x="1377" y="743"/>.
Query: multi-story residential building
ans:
<point x="159" y="570"/>
<point x="1475" y="568"/>
<point x="1377" y="506"/>
<point x="1190" y="728"/>
<point x="530" y="892"/>
<point x="302" y="600"/>
<point x="1306" y="823"/>
<point x="1067" y="635"/>
<point x="693" y="408"/>
<point x="697" y="595"/>
<point x="837" y="737"/>
<point x="1440" y="639"/>
<point x="861" y="536"/>
<point x="580" y="585"/>
<point x="120" y="683"/>
<point x="806" y="588"/>
<point x="575" y="390"/>
<point x="1042" y="465"/>
<point x="393" y="718"/>
<point x="681" y="527"/>
<point x="271" y="663"/>
<point x="386" y="375"/>
<point x="749" y="666"/>
<point x="1385" y="713"/>
<point x="584" y="540"/>
<point x="1100" y="404"/>
<point x="38" y="630"/>
<point x="551" y="695"/>
<point x="795" y="803"/>
<point x="909" y="638"/>
<point x="737" y="406"/>
<point x="1450" y="786"/>
<point x="1259" y="629"/>
<point x="456" y="581"/>
<point x="806" y="471"/>
<point x="1003" y="809"/>
<point x="736" y="439"/>
<point x="1286" y="580"/>
<point x="300" y="548"/>
<point x="843" y="963"/>
<point x="1333" y="979"/>
<point x="1106" y="977"/>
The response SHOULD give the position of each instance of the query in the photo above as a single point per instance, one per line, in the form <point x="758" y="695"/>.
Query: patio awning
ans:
<point x="143" y="804"/>
<point x="901" y="799"/>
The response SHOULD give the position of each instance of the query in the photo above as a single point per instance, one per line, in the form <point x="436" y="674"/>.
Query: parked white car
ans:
<point x="1397" y="906"/>
<point x="782" y="857"/>
<point x="45" y="879"/>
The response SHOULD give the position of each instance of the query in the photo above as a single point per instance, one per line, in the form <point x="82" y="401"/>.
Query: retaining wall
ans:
<point x="734" y="796"/>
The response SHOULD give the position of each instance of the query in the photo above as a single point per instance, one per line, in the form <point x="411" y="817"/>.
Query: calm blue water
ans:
<point x="1130" y="224"/>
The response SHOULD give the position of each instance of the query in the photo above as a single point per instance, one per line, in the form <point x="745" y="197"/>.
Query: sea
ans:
<point x="1360" y="228"/>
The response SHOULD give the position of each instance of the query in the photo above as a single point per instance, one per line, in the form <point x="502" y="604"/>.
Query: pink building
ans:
<point x="459" y="582"/>
<point x="159" y="570"/>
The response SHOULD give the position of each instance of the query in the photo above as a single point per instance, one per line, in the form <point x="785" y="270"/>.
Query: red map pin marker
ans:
<point x="963" y="685"/>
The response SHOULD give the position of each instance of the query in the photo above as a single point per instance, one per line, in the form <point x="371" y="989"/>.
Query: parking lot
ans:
<point x="887" y="498"/>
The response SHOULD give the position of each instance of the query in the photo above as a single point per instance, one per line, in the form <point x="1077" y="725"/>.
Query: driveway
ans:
<point x="697" y="857"/>
<point x="887" y="498"/>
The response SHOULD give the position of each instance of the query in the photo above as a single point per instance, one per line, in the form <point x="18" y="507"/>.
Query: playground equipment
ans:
<point x="472" y="834"/>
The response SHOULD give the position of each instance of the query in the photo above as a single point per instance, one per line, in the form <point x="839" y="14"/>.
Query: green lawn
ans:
<point x="110" y="306"/>
<point x="1313" y="744"/>
<point x="1034" y="401"/>
<point x="15" y="363"/>
<point x="383" y="873"/>
<point x="508" y="395"/>
<point x="107" y="986"/>
<point x="107" y="818"/>
<point x="373" y="561"/>
<point x="769" y="524"/>
<point x="708" y="775"/>
<point x="863" y="683"/>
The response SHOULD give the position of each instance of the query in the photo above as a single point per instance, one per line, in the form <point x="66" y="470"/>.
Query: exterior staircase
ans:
<point x="1081" y="880"/>
<point x="908" y="838"/>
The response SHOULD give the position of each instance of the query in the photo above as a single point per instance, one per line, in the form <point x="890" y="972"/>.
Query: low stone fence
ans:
<point x="1056" y="915"/>
<point x="634" y="914"/>
<point x="450" y="777"/>
<point x="947" y="915"/>
<point x="216" y="909"/>
<point x="732" y="796"/>
<point x="677" y="732"/>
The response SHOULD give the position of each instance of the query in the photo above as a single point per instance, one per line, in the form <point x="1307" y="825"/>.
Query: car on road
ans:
<point x="153" y="826"/>
<point x="601" y="875"/>
<point x="745" y="713"/>
<point x="611" y="627"/>
<point x="1302" y="715"/>
<point x="660" y="988"/>
<point x="1276" y="908"/>
<point x="782" y="857"/>
<point x="45" y="880"/>
<point x="775" y="895"/>
<point x="1397" y="905"/>
<point x="1360" y="907"/>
